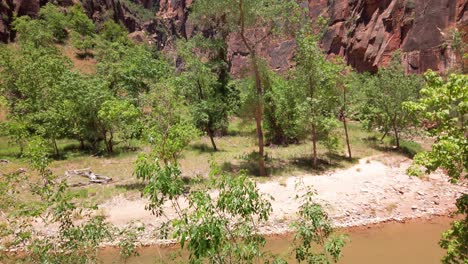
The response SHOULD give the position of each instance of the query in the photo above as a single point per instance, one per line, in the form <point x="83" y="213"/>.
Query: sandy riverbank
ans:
<point x="375" y="190"/>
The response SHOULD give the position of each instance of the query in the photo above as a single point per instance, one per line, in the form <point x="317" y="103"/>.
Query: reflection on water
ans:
<point x="414" y="242"/>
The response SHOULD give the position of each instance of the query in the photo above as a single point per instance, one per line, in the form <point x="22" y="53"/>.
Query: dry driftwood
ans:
<point x="87" y="173"/>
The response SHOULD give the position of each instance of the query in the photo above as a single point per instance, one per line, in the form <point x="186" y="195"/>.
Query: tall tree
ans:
<point x="318" y="80"/>
<point x="254" y="22"/>
<point x="204" y="87"/>
<point x="29" y="80"/>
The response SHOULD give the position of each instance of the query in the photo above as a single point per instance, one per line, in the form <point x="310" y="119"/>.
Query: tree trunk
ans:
<point x="210" y="133"/>
<point x="110" y="145"/>
<point x="343" y="115"/>
<point x="384" y="135"/>
<point x="314" y="146"/>
<point x="258" y="86"/>
<point x="56" y="150"/>
<point x="347" y="137"/>
<point x="397" y="137"/>
<point x="258" y="118"/>
<point x="82" y="144"/>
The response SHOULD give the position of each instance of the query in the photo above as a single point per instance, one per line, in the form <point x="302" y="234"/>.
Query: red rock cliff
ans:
<point x="365" y="32"/>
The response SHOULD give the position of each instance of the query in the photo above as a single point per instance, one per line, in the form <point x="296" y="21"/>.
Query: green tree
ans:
<point x="79" y="21"/>
<point x="317" y="79"/>
<point x="29" y="83"/>
<point x="55" y="20"/>
<point x="240" y="17"/>
<point x="224" y="228"/>
<point x="386" y="92"/>
<point x="82" y="30"/>
<point x="81" y="104"/>
<point x="118" y="115"/>
<point x="459" y="47"/>
<point x="33" y="33"/>
<point x="283" y="115"/>
<point x="167" y="127"/>
<point x="130" y="69"/>
<point x="114" y="32"/>
<point x="443" y="106"/>
<point x="204" y="89"/>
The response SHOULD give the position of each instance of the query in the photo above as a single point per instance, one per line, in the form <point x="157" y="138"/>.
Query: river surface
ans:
<point x="413" y="242"/>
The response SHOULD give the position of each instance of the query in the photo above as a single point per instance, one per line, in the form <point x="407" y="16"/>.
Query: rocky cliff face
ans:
<point x="365" y="32"/>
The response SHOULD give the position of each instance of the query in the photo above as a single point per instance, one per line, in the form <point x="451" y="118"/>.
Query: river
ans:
<point x="413" y="242"/>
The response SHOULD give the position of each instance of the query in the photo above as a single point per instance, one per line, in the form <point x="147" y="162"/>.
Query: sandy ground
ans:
<point x="373" y="191"/>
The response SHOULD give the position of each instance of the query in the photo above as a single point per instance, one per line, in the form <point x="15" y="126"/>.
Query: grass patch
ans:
<point x="410" y="148"/>
<point x="237" y="151"/>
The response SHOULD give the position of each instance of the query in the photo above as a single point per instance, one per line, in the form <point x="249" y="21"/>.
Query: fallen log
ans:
<point x="87" y="173"/>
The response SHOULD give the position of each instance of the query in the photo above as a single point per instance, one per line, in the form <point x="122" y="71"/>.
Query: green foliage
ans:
<point x="219" y="222"/>
<point x="118" y="115"/>
<point x="410" y="148"/>
<point x="141" y="13"/>
<point x="279" y="17"/>
<point x="130" y="242"/>
<point x="234" y="16"/>
<point x="130" y="70"/>
<point x="205" y="85"/>
<point x="34" y="95"/>
<point x="79" y="21"/>
<point x="314" y="240"/>
<point x="317" y="81"/>
<point x="82" y="42"/>
<point x="55" y="21"/>
<point x="283" y="120"/>
<point x="220" y="230"/>
<point x="385" y="94"/>
<point x="82" y="30"/>
<point x="46" y="97"/>
<point x="443" y="106"/>
<point x="74" y="242"/>
<point x="114" y="32"/>
<point x="167" y="128"/>
<point x="81" y="105"/>
<point x="455" y="240"/>
<point x="33" y="32"/>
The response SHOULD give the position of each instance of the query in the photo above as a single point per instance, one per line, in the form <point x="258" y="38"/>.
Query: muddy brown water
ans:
<point x="413" y="242"/>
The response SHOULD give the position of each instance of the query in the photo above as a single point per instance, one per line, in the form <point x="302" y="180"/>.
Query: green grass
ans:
<point x="237" y="152"/>
<point x="410" y="148"/>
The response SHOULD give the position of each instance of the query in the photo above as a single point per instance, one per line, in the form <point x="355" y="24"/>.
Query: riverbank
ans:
<point x="412" y="242"/>
<point x="375" y="190"/>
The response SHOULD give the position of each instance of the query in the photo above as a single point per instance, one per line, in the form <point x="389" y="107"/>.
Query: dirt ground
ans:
<point x="373" y="191"/>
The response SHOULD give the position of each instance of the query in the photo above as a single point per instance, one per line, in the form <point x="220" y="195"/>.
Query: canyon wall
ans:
<point x="364" y="32"/>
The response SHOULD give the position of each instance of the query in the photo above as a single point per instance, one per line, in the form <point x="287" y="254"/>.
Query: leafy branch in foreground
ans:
<point x="314" y="238"/>
<point x="220" y="221"/>
<point x="444" y="108"/>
